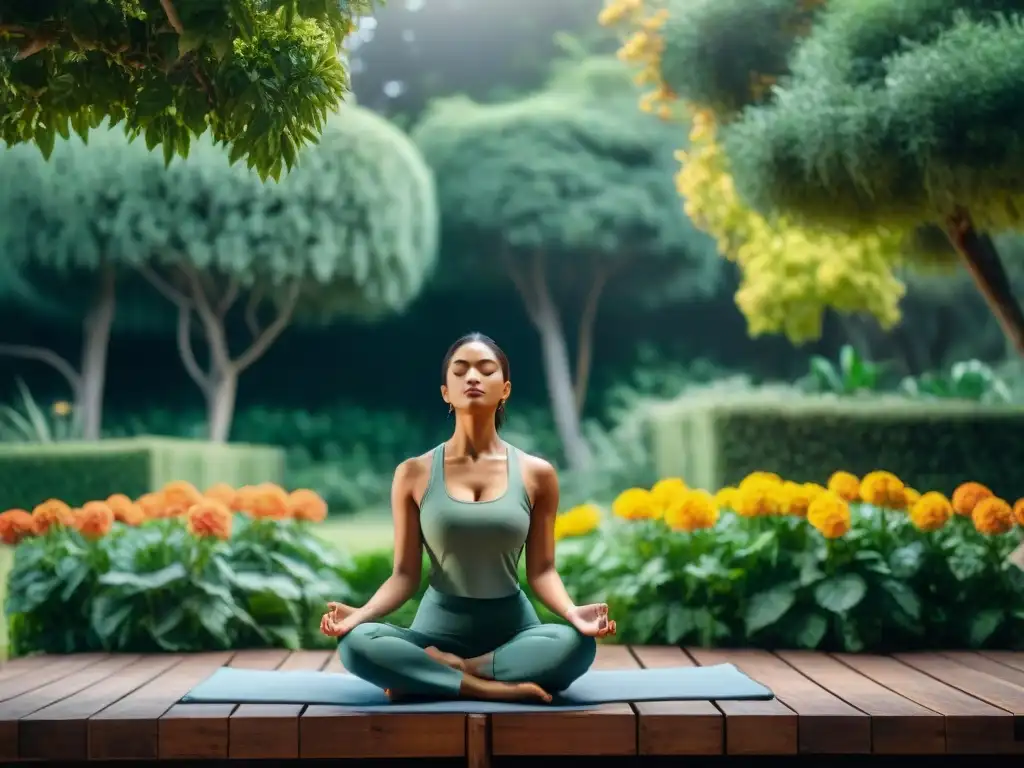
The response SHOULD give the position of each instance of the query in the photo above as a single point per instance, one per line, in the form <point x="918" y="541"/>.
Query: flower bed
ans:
<point x="860" y="565"/>
<point x="177" y="570"/>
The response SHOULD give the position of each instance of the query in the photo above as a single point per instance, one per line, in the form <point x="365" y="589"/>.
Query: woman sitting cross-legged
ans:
<point x="475" y="504"/>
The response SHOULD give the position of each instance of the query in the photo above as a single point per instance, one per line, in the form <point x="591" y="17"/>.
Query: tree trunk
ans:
<point x="95" y="345"/>
<point x="585" y="338"/>
<point x="540" y="307"/>
<point x="220" y="404"/>
<point x="982" y="260"/>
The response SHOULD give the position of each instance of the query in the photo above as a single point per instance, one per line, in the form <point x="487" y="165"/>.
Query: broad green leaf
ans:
<point x="135" y="583"/>
<point x="841" y="593"/>
<point x="109" y="614"/>
<point x="768" y="607"/>
<point x="809" y="630"/>
<point x="904" y="597"/>
<point x="983" y="625"/>
<point x="680" y="623"/>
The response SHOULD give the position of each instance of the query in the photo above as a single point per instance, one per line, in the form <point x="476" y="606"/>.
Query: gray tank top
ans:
<point x="475" y="546"/>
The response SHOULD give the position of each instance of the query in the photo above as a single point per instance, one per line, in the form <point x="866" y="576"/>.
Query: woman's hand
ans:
<point x="591" y="620"/>
<point x="337" y="622"/>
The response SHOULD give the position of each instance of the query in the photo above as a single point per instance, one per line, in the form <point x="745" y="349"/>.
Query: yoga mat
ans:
<point x="229" y="685"/>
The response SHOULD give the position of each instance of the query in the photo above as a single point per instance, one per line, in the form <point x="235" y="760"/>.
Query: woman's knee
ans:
<point x="580" y="649"/>
<point x="356" y="648"/>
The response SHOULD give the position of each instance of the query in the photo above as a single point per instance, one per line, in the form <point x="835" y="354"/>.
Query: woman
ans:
<point x="475" y="503"/>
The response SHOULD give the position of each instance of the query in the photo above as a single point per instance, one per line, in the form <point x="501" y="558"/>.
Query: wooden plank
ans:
<point x="270" y="731"/>
<point x="13" y="709"/>
<point x="898" y="725"/>
<point x="1013" y="659"/>
<point x="984" y="664"/>
<point x="478" y="741"/>
<point x="25" y="664"/>
<point x="130" y="728"/>
<point x="827" y="725"/>
<point x="608" y="730"/>
<point x="58" y="668"/>
<point x="997" y="691"/>
<point x="60" y="730"/>
<point x="753" y="727"/>
<point x="972" y="726"/>
<point x="337" y="732"/>
<point x="676" y="727"/>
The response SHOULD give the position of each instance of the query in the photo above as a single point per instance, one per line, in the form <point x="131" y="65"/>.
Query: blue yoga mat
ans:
<point x="229" y="685"/>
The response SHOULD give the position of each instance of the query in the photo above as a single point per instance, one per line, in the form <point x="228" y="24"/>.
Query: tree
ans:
<point x="260" y="75"/>
<point x="893" y="116"/>
<point x="705" y="62"/>
<point x="353" y="231"/>
<point x="568" y="189"/>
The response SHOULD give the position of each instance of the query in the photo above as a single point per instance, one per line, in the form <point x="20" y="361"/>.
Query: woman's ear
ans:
<point x="444" y="394"/>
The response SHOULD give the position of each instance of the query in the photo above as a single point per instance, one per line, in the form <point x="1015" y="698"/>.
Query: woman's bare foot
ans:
<point x="448" y="659"/>
<point x="493" y="690"/>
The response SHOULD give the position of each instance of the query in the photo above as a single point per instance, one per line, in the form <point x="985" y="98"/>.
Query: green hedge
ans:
<point x="81" y="472"/>
<point x="930" y="445"/>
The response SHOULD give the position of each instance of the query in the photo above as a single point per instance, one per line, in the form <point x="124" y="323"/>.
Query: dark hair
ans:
<point x="491" y="344"/>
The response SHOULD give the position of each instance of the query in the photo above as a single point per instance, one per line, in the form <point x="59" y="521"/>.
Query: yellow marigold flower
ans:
<point x="967" y="496"/>
<point x="910" y="496"/>
<point x="1018" y="511"/>
<point x="758" y="500"/>
<point x="692" y="510"/>
<point x="665" y="491"/>
<point x="797" y="497"/>
<point x="845" y="485"/>
<point x="577" y="521"/>
<point x="726" y="498"/>
<point x="829" y="513"/>
<point x="760" y="478"/>
<point x="992" y="516"/>
<point x="931" y="512"/>
<point x="636" y="504"/>
<point x="883" y="489"/>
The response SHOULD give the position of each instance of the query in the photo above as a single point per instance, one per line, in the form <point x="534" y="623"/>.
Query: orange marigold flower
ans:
<point x="1018" y="511"/>
<point x="931" y="512"/>
<point x="181" y="494"/>
<point x="992" y="516"/>
<point x="50" y="513"/>
<point x="15" y="525"/>
<point x="307" y="505"/>
<point x="268" y="501"/>
<point x="829" y="513"/>
<point x="244" y="498"/>
<point x="221" y="492"/>
<point x="125" y="510"/>
<point x="210" y="518"/>
<point x="910" y="496"/>
<point x="797" y="497"/>
<point x="883" y="489"/>
<point x="966" y="497"/>
<point x="151" y="504"/>
<point x="692" y="510"/>
<point x="94" y="520"/>
<point x="845" y="485"/>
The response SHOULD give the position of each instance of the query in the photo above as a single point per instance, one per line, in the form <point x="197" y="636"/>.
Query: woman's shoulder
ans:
<point x="415" y="467"/>
<point x="536" y="468"/>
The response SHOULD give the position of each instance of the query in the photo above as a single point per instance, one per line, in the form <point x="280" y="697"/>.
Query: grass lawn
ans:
<point x="353" y="533"/>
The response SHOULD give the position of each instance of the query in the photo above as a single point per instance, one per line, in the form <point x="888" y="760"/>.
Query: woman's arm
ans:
<point x="540" y="542"/>
<point x="408" y="568"/>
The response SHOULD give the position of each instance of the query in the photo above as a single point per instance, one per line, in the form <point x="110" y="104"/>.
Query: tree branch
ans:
<point x="213" y="325"/>
<point x="172" y="15"/>
<point x="47" y="356"/>
<point x="187" y="353"/>
<point x="252" y="321"/>
<point x="262" y="343"/>
<point x="522" y="285"/>
<point x="167" y="290"/>
<point x="230" y="296"/>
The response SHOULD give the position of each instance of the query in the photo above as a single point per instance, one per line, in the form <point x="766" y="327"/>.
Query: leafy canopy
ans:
<point x="259" y="75"/>
<point x="895" y="114"/>
<point x="573" y="171"/>
<point x="355" y="224"/>
<point x="710" y="58"/>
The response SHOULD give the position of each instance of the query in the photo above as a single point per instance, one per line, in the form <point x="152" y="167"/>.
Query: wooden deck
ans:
<point x="96" y="707"/>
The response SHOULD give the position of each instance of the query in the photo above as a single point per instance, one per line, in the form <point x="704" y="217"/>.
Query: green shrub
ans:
<point x="80" y="472"/>
<point x="776" y="583"/>
<point x="931" y="445"/>
<point x="158" y="588"/>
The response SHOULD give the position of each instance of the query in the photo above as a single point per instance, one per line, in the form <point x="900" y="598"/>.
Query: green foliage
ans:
<point x="726" y="54"/>
<point x="78" y="472"/>
<point x="851" y="375"/>
<point x="28" y="422"/>
<point x="775" y="583"/>
<point x="896" y="114"/>
<point x="260" y="76"/>
<point x="158" y="588"/>
<point x="931" y="444"/>
<point x="572" y="171"/>
<point x="966" y="380"/>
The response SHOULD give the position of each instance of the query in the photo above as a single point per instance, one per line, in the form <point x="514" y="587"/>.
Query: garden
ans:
<point x="853" y="564"/>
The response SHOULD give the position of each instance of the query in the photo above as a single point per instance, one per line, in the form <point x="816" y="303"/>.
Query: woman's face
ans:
<point x="474" y="379"/>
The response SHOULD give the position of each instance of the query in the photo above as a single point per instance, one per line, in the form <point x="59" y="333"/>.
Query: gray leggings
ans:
<point x="524" y="650"/>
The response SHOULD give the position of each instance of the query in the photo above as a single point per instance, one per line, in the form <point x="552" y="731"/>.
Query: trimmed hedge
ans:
<point x="79" y="472"/>
<point x="931" y="445"/>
